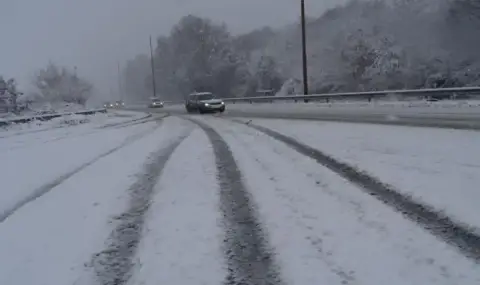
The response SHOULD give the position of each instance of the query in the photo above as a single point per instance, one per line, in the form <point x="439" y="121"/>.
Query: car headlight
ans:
<point x="222" y="103"/>
<point x="206" y="104"/>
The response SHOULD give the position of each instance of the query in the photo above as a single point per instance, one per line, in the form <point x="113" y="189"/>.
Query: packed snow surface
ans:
<point x="66" y="190"/>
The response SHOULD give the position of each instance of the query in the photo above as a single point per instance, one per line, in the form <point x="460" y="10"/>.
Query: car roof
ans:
<point x="200" y="93"/>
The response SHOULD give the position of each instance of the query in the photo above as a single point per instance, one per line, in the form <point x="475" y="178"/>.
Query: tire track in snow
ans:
<point x="146" y="118"/>
<point x="113" y="266"/>
<point x="347" y="275"/>
<point x="438" y="224"/>
<point x="122" y="125"/>
<point x="44" y="189"/>
<point x="250" y="259"/>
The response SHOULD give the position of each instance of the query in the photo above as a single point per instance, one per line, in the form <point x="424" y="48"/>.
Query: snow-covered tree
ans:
<point x="267" y="75"/>
<point x="197" y="56"/>
<point x="361" y="45"/>
<point x="58" y="84"/>
<point x="135" y="73"/>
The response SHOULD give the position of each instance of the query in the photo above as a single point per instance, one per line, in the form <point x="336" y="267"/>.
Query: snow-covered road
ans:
<point x="208" y="200"/>
<point x="456" y="116"/>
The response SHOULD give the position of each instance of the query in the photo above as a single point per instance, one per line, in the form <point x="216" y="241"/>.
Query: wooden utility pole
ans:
<point x="304" y="50"/>
<point x="120" y="93"/>
<point x="153" y="69"/>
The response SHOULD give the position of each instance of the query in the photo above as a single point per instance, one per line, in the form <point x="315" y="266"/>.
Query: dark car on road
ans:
<point x="155" y="103"/>
<point x="204" y="102"/>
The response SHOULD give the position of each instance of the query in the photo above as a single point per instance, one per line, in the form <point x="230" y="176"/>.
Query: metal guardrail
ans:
<point x="47" y="117"/>
<point x="450" y="93"/>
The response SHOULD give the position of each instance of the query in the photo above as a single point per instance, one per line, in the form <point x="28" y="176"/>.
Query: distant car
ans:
<point x="108" y="105"/>
<point x="119" y="104"/>
<point x="204" y="102"/>
<point x="155" y="103"/>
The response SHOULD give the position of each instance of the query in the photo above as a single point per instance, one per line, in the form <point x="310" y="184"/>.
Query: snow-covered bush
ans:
<point x="58" y="84"/>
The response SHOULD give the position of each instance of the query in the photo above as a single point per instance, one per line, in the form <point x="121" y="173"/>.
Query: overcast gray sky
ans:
<point x="96" y="34"/>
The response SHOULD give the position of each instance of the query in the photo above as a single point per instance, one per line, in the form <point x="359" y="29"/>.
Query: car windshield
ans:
<point x="202" y="97"/>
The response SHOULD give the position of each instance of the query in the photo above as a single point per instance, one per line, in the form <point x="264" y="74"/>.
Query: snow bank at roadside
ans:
<point x="97" y="119"/>
<point x="374" y="105"/>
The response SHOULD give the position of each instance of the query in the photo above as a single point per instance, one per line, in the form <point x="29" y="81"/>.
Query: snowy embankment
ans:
<point x="38" y="109"/>
<point x="362" y="107"/>
<point x="96" y="120"/>
<point x="46" y="108"/>
<point x="46" y="116"/>
<point x="54" y="237"/>
<point x="417" y="105"/>
<point x="383" y="103"/>
<point x="437" y="167"/>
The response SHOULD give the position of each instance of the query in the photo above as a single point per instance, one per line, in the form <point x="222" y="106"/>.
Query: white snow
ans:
<point x="436" y="166"/>
<point x="95" y="120"/>
<point x="36" y="109"/>
<point x="50" y="241"/>
<point x="23" y="169"/>
<point x="182" y="239"/>
<point x="405" y="108"/>
<point x="442" y="112"/>
<point x="326" y="231"/>
<point x="382" y="103"/>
